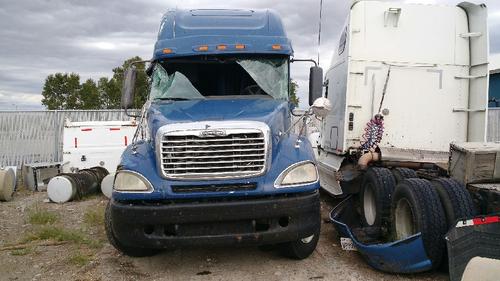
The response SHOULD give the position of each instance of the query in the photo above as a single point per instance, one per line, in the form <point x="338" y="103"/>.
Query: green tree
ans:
<point x="114" y="85"/>
<point x="89" y="97"/>
<point x="64" y="91"/>
<point x="293" y="92"/>
<point x="102" y="90"/>
<point x="60" y="91"/>
<point x="109" y="93"/>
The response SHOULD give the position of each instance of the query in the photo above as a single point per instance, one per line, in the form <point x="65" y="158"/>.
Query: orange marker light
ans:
<point x="167" y="51"/>
<point x="221" y="47"/>
<point x="276" y="47"/>
<point x="203" y="48"/>
<point x="239" y="47"/>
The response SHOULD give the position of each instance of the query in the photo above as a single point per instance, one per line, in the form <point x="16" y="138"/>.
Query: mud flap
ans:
<point x="478" y="237"/>
<point x="393" y="257"/>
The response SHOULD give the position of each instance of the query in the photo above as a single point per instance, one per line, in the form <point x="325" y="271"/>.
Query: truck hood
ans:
<point x="275" y="113"/>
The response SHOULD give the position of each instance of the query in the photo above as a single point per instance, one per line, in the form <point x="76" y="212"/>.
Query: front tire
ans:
<point x="302" y="248"/>
<point x="129" y="251"/>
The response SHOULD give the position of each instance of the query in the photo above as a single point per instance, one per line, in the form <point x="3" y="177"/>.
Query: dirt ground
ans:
<point x="67" y="242"/>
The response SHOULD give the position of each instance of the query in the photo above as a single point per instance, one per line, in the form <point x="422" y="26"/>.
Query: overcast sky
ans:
<point x="38" y="38"/>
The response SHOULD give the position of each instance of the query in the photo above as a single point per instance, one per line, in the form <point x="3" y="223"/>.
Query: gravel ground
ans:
<point x="88" y="256"/>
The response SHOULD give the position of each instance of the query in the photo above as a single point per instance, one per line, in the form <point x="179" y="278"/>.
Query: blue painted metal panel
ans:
<point x="274" y="113"/>
<point x="402" y="256"/>
<point x="494" y="91"/>
<point x="183" y="31"/>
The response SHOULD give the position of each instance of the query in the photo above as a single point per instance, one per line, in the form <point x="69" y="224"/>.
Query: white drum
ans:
<point x="107" y="185"/>
<point x="7" y="184"/>
<point x="61" y="189"/>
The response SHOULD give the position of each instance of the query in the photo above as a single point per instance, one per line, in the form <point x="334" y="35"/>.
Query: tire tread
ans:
<point x="458" y="196"/>
<point x="432" y="218"/>
<point x="384" y="183"/>
<point x="401" y="174"/>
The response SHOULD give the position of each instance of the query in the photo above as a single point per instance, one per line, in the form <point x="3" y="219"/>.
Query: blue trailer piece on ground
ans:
<point x="392" y="257"/>
<point x="214" y="161"/>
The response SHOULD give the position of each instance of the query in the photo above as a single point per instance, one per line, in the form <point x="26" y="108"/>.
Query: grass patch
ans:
<point x="79" y="259"/>
<point x="21" y="252"/>
<point x="57" y="234"/>
<point x="41" y="216"/>
<point x="94" y="217"/>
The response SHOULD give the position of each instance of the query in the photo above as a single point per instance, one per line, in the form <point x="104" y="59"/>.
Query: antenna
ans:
<point x="319" y="27"/>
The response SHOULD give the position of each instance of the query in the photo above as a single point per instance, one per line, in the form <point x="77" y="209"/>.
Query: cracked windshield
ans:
<point x="240" y="77"/>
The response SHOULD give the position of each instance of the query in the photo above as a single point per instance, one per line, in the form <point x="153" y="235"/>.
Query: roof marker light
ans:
<point x="221" y="47"/>
<point x="202" y="48"/>
<point x="239" y="46"/>
<point x="168" y="51"/>
<point x="276" y="47"/>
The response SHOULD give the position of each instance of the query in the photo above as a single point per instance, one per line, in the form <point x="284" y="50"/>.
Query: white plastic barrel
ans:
<point x="7" y="183"/>
<point x="60" y="189"/>
<point x="107" y="185"/>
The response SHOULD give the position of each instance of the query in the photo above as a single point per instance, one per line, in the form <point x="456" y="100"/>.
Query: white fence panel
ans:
<point x="36" y="136"/>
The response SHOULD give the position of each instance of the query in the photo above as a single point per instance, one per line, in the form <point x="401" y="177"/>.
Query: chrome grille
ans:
<point x="190" y="155"/>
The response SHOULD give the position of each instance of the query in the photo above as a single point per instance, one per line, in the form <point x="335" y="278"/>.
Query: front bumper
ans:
<point x="254" y="221"/>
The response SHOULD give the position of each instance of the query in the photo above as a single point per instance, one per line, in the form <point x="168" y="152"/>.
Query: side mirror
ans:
<point x="128" y="88"/>
<point x="321" y="107"/>
<point x="315" y="83"/>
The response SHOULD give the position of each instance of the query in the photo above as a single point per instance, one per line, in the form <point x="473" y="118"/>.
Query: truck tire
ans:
<point x="129" y="251"/>
<point x="416" y="207"/>
<point x="301" y="248"/>
<point x="403" y="173"/>
<point x="375" y="196"/>
<point x="456" y="200"/>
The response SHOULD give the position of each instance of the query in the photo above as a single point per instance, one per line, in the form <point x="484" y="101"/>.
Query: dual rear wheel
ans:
<point x="377" y="187"/>
<point x="405" y="205"/>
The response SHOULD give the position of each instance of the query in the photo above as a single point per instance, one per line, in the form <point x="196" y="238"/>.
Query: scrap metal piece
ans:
<point x="390" y="257"/>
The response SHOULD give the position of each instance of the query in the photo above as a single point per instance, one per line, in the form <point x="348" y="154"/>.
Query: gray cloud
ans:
<point x="92" y="37"/>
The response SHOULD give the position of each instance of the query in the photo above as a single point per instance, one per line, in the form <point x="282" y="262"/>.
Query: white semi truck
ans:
<point x="405" y="81"/>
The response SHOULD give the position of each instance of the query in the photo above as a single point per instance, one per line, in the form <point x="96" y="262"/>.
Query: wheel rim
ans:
<point x="369" y="205"/>
<point x="307" y="240"/>
<point x="403" y="219"/>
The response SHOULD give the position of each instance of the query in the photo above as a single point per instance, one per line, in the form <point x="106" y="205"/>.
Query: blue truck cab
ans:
<point x="214" y="160"/>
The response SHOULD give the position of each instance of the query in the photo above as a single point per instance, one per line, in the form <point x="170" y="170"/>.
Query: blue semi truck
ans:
<point x="214" y="160"/>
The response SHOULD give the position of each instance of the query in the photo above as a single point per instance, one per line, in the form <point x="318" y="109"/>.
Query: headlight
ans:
<point x="297" y="174"/>
<point x="131" y="181"/>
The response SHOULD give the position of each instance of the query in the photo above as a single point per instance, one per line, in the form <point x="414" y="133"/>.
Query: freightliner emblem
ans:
<point x="212" y="133"/>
